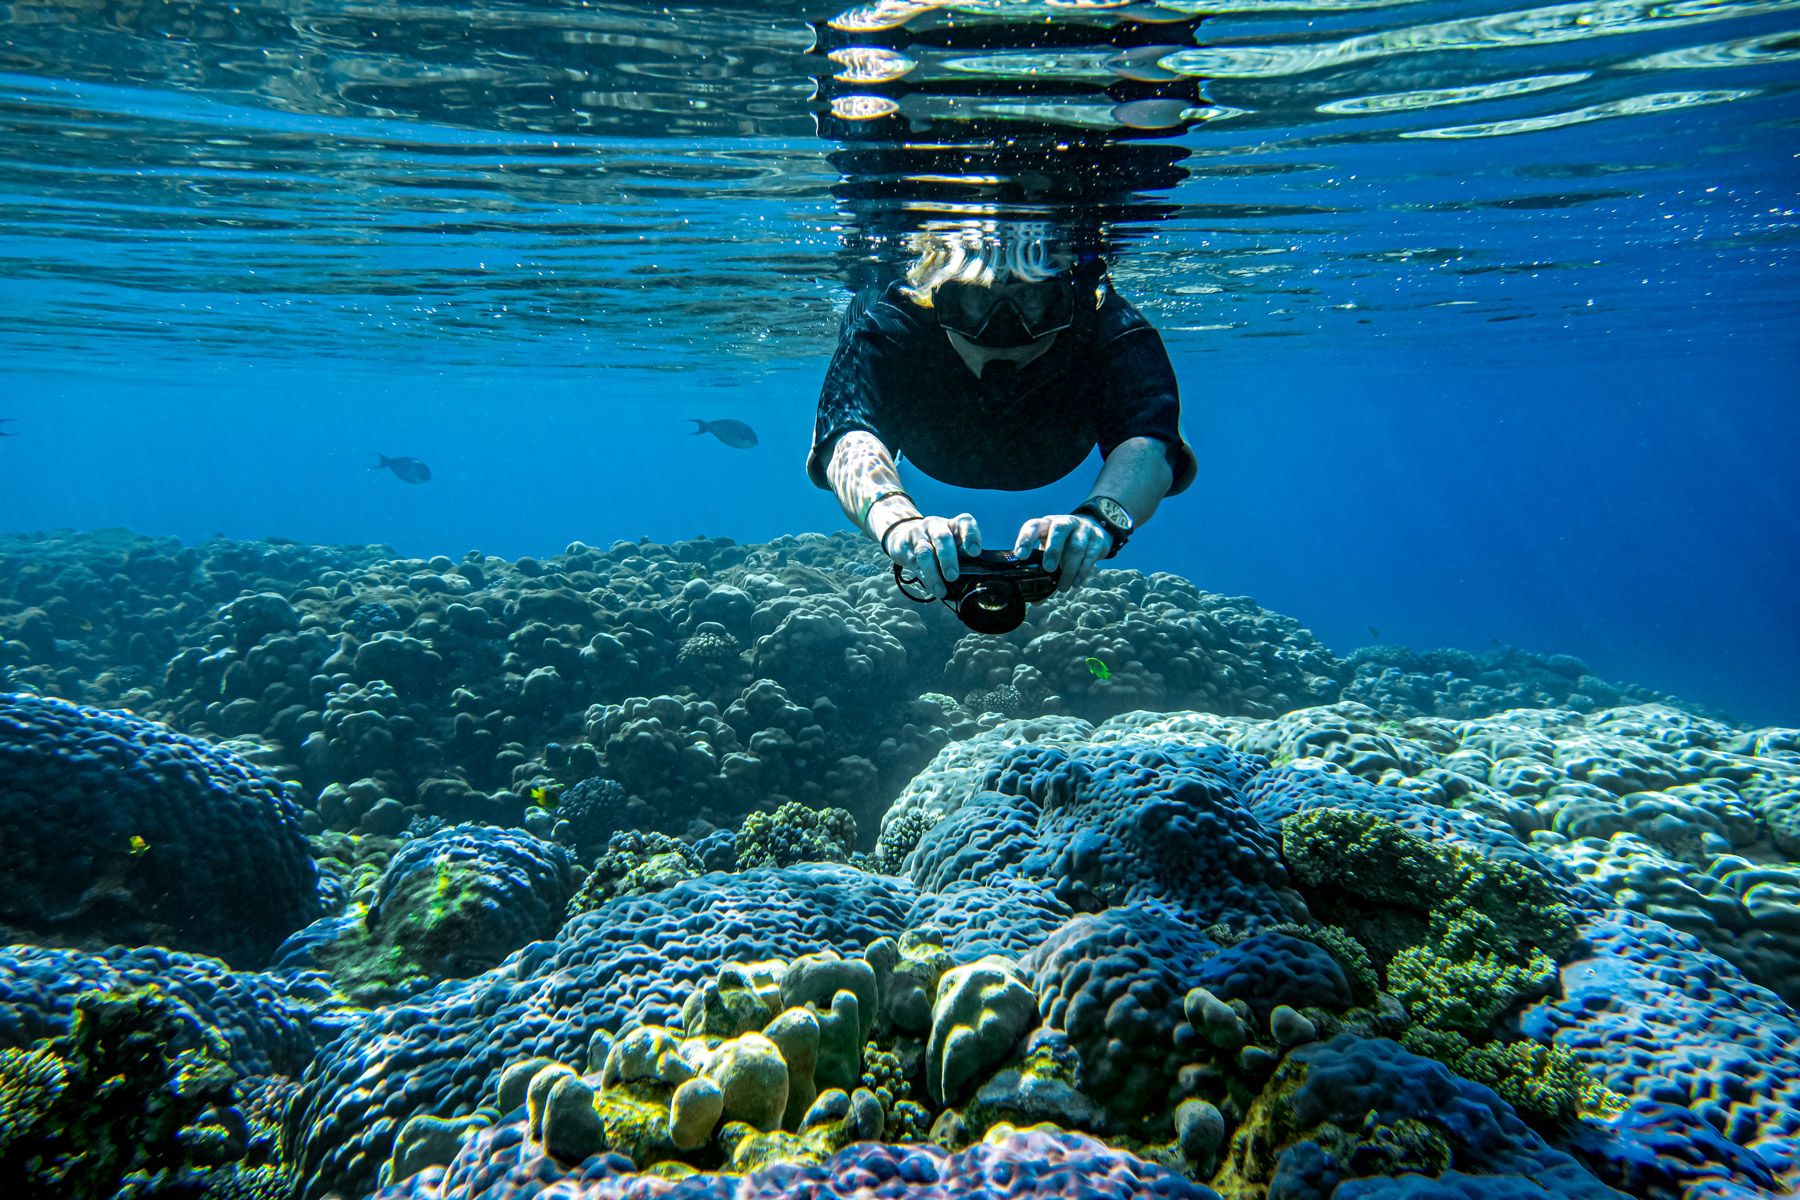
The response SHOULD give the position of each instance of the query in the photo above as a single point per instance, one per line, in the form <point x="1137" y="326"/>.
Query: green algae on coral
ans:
<point x="1545" y="1084"/>
<point x="1392" y="889"/>
<point x="633" y="864"/>
<point x="794" y="833"/>
<point x="127" y="1101"/>
<point x="1466" y="938"/>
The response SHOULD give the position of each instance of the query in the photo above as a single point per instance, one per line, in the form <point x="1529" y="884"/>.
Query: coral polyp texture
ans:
<point x="116" y="829"/>
<point x="708" y="870"/>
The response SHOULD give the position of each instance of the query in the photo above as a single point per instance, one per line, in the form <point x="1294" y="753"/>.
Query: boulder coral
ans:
<point x="115" y="829"/>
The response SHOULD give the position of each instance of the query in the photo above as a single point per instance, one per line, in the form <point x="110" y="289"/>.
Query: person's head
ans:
<point x="1003" y="286"/>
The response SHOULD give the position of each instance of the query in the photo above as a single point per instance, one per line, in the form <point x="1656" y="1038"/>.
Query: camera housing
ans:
<point x="991" y="589"/>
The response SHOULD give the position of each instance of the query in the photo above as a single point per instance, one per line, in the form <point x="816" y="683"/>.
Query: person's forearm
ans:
<point x="1137" y="475"/>
<point x="863" y="476"/>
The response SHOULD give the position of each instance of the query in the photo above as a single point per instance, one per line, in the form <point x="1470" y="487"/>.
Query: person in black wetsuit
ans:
<point x="999" y="362"/>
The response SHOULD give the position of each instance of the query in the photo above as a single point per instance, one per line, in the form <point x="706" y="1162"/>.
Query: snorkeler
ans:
<point x="999" y="362"/>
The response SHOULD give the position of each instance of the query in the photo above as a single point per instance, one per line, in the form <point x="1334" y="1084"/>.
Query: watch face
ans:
<point x="1113" y="511"/>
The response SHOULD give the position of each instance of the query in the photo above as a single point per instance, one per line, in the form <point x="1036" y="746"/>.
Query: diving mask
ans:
<point x="1009" y="315"/>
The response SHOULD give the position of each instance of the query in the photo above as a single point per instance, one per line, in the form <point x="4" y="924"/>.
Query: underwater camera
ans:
<point x="991" y="589"/>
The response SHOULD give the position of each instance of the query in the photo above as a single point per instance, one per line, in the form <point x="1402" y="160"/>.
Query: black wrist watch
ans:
<point x="1112" y="516"/>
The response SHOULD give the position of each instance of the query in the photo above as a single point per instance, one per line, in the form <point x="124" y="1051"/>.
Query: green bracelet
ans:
<point x="862" y="518"/>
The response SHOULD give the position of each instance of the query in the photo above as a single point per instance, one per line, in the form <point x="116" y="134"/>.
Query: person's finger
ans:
<point x="968" y="534"/>
<point x="924" y="563"/>
<point x="1055" y="543"/>
<point x="1076" y="557"/>
<point x="943" y="544"/>
<point x="1090" y="545"/>
<point x="1074" y="566"/>
<point x="1030" y="536"/>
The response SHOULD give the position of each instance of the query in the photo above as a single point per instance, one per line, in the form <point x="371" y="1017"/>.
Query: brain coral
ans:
<point x="465" y="897"/>
<point x="115" y="829"/>
<point x="450" y="904"/>
<point x="1114" y="982"/>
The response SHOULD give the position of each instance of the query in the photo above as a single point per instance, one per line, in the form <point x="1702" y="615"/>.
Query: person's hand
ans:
<point x="1071" y="544"/>
<point x="927" y="548"/>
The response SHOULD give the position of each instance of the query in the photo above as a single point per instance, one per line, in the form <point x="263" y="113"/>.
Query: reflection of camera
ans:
<point x="991" y="589"/>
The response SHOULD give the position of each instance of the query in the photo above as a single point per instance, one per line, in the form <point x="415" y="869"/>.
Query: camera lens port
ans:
<point x="992" y="606"/>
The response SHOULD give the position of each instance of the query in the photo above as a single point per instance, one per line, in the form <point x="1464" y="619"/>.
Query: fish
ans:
<point x="543" y="797"/>
<point x="7" y="421"/>
<point x="1098" y="669"/>
<point x="136" y="846"/>
<point x="1375" y="633"/>
<point x="406" y="470"/>
<point x="735" y="434"/>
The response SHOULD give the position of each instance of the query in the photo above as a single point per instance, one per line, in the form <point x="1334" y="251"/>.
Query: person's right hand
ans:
<point x="927" y="548"/>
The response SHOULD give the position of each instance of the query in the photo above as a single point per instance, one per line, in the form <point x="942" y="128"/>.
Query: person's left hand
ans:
<point x="1072" y="545"/>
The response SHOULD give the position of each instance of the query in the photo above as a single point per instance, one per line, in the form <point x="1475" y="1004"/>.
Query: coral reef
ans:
<point x="448" y="905"/>
<point x="679" y="870"/>
<point x="1031" y="1165"/>
<point x="112" y="1107"/>
<point x="114" y="829"/>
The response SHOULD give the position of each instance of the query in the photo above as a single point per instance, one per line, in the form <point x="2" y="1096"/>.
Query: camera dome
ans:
<point x="993" y="606"/>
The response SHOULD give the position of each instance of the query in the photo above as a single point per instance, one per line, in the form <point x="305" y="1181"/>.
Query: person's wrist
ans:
<point x="1115" y="537"/>
<point x="897" y="523"/>
<point x="891" y="508"/>
<point x="1105" y="534"/>
<point x="889" y="498"/>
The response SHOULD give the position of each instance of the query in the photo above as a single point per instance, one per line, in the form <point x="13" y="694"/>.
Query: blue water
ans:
<point x="1532" y="387"/>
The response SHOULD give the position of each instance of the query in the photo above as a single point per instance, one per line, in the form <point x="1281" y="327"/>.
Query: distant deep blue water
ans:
<point x="1451" y="382"/>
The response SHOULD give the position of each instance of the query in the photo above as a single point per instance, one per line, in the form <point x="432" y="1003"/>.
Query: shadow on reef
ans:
<point x="561" y="888"/>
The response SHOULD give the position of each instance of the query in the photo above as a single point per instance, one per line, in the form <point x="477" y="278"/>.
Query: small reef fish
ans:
<point x="544" y="797"/>
<point x="406" y="470"/>
<point x="1375" y="633"/>
<point x="1098" y="669"/>
<point x="136" y="846"/>
<point x="735" y="434"/>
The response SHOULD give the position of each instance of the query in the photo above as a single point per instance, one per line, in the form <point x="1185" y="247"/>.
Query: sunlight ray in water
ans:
<point x="1527" y="27"/>
<point x="1766" y="49"/>
<point x="1208" y="8"/>
<point x="1439" y="97"/>
<point x="1655" y="102"/>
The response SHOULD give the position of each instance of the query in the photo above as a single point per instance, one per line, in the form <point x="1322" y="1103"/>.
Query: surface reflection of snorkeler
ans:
<point x="998" y="361"/>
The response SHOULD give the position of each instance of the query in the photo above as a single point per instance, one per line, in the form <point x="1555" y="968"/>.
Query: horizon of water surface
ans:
<point x="1482" y="311"/>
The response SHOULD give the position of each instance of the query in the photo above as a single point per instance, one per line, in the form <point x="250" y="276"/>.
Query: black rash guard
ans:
<point x="1104" y="380"/>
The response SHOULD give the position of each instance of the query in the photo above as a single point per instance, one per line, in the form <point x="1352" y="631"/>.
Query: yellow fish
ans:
<point x="136" y="846"/>
<point x="543" y="797"/>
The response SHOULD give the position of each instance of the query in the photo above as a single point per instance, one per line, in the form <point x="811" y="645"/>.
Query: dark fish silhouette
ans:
<point x="1375" y="633"/>
<point x="6" y="421"/>
<point x="406" y="470"/>
<point x="735" y="434"/>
